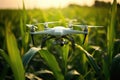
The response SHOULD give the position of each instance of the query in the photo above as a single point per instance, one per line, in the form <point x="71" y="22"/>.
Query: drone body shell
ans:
<point x="59" y="31"/>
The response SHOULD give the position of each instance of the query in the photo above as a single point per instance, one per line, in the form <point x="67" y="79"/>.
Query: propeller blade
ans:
<point x="71" y="20"/>
<point x="48" y="22"/>
<point x="94" y="26"/>
<point x="53" y="22"/>
<point x="29" y="25"/>
<point x="89" y="26"/>
<point x="32" y="27"/>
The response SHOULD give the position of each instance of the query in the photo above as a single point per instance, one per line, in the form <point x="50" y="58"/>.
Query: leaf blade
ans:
<point x="29" y="55"/>
<point x="90" y="58"/>
<point x="52" y="63"/>
<point x="14" y="55"/>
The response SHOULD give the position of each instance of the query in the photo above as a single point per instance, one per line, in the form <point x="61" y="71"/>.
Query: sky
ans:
<point x="45" y="3"/>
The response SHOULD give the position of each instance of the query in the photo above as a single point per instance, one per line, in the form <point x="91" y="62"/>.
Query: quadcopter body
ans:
<point x="58" y="33"/>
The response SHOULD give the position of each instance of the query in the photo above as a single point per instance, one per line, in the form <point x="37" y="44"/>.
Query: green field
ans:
<point x="91" y="61"/>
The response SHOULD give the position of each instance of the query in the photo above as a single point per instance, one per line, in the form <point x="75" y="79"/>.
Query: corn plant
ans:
<point x="55" y="62"/>
<point x="110" y="41"/>
<point x="12" y="56"/>
<point x="60" y="68"/>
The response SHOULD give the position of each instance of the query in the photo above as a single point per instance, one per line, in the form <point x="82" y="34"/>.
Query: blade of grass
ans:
<point x="65" y="52"/>
<point x="48" y="57"/>
<point x="52" y="63"/>
<point x="5" y="56"/>
<point x="14" y="54"/>
<point x="111" y="30"/>
<point x="29" y="55"/>
<point x="90" y="58"/>
<point x="6" y="67"/>
<point x="115" y="68"/>
<point x="110" y="41"/>
<point x="24" y="34"/>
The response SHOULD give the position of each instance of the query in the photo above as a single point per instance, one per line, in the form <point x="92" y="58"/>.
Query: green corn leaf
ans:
<point x="29" y="55"/>
<point x="90" y="58"/>
<point x="5" y="69"/>
<point x="65" y="49"/>
<point x="5" y="56"/>
<point x="110" y="40"/>
<point x="111" y="30"/>
<point x="14" y="54"/>
<point x="24" y="35"/>
<point x="73" y="74"/>
<point x="65" y="52"/>
<point x="115" y="68"/>
<point x="52" y="63"/>
<point x="106" y="69"/>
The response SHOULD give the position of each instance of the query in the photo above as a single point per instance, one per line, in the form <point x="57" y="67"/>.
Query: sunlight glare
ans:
<point x="56" y="3"/>
<point x="30" y="4"/>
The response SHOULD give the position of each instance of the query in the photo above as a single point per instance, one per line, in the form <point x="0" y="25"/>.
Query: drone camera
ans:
<point x="60" y="42"/>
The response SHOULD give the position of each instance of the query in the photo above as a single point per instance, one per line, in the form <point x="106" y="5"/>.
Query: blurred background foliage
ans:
<point x="96" y="44"/>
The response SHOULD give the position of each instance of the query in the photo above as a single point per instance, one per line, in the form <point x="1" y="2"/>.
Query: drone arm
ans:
<point x="80" y="32"/>
<point x="74" y="32"/>
<point x="44" y="39"/>
<point x="32" y="37"/>
<point x="84" y="38"/>
<point x="85" y="30"/>
<point x="38" y="32"/>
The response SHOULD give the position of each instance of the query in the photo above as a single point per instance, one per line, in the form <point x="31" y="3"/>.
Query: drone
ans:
<point x="58" y="33"/>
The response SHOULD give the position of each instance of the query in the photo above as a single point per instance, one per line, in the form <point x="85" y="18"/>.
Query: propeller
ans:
<point x="50" y="22"/>
<point x="70" y="25"/>
<point x="85" y="28"/>
<point x="46" y="23"/>
<point x="70" y="22"/>
<point x="88" y="26"/>
<point x="32" y="29"/>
